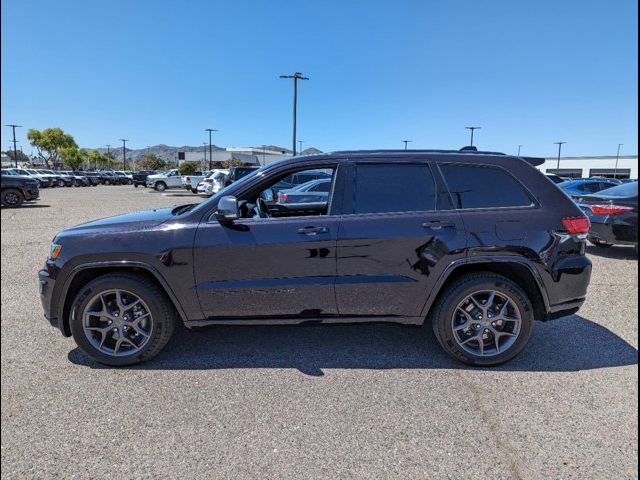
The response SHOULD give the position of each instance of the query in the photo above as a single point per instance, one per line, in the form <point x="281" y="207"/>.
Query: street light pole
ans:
<point x="406" y="142"/>
<point x="300" y="142"/>
<point x="519" y="149"/>
<point x="559" y="154"/>
<point x="615" y="172"/>
<point x="264" y="152"/>
<point x="296" y="76"/>
<point x="473" y="129"/>
<point x="204" y="150"/>
<point x="15" y="148"/>
<point x="124" y="153"/>
<point x="210" y="130"/>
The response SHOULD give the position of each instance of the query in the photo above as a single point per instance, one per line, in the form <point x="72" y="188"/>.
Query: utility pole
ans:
<point x="108" y="155"/>
<point x="406" y="142"/>
<point x="519" y="149"/>
<point x="210" y="130"/>
<point x="300" y="142"/>
<point x="615" y="172"/>
<point x="264" y="153"/>
<point x="296" y="76"/>
<point x="15" y="148"/>
<point x="204" y="150"/>
<point x="473" y="129"/>
<point x="124" y="153"/>
<point x="559" y="154"/>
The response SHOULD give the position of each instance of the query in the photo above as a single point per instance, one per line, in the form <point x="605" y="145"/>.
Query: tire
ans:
<point x="135" y="185"/>
<point x="443" y="318"/>
<point x="107" y="182"/>
<point x="160" y="187"/>
<point x="600" y="243"/>
<point x="161" y="311"/>
<point x="12" y="198"/>
<point x="60" y="183"/>
<point x="129" y="182"/>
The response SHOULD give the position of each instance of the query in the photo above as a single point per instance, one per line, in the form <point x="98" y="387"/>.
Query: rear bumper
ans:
<point x="612" y="232"/>
<point x="567" y="287"/>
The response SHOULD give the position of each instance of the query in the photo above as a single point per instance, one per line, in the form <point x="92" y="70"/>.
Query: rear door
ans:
<point x="395" y="240"/>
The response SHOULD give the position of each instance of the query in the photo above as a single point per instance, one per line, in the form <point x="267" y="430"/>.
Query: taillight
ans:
<point x="576" y="225"/>
<point x="208" y="180"/>
<point x="282" y="197"/>
<point x="609" y="209"/>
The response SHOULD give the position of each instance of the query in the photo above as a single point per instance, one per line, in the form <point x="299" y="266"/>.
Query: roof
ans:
<point x="467" y="152"/>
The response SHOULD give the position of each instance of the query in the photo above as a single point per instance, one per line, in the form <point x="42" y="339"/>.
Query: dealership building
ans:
<point x="587" y="167"/>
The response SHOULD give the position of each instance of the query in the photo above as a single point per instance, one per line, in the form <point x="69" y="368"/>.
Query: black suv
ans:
<point x="16" y="189"/>
<point x="481" y="244"/>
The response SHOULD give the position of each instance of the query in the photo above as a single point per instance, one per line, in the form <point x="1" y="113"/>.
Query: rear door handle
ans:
<point x="312" y="230"/>
<point x="438" y="225"/>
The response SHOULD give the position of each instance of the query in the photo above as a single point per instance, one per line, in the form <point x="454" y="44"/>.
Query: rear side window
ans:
<point x="483" y="187"/>
<point x="394" y="188"/>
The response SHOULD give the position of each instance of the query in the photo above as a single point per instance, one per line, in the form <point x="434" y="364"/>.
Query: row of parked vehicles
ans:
<point x="47" y="178"/>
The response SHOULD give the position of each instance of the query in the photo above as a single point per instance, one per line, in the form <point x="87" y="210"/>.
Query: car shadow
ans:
<point x="617" y="252"/>
<point x="27" y="205"/>
<point x="566" y="345"/>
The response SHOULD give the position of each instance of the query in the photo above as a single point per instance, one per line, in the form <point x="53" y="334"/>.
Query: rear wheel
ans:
<point x="121" y="319"/>
<point x="483" y="319"/>
<point x="60" y="183"/>
<point x="12" y="197"/>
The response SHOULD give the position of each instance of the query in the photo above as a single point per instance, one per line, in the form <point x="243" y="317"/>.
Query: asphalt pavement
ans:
<point x="367" y="401"/>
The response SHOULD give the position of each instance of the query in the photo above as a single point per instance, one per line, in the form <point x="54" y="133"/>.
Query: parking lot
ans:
<point x="364" y="401"/>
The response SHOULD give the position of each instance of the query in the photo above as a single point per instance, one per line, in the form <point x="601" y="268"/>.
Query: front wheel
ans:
<point x="160" y="187"/>
<point x="12" y="198"/>
<point x="121" y="319"/>
<point x="60" y="183"/>
<point x="483" y="319"/>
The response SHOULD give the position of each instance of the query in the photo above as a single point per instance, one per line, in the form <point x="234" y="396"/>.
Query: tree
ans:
<point x="151" y="162"/>
<point x="49" y="141"/>
<point x="22" y="157"/>
<point x="72" y="157"/>
<point x="188" y="168"/>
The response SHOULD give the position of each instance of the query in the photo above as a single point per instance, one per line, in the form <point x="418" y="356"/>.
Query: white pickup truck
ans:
<point x="161" y="181"/>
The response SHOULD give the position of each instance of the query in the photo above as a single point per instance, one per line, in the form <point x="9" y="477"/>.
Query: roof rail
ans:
<point x="472" y="150"/>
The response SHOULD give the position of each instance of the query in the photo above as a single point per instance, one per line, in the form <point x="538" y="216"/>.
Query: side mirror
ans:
<point x="268" y="195"/>
<point x="227" y="209"/>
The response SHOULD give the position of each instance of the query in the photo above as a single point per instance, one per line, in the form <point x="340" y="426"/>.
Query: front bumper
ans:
<point x="31" y="192"/>
<point x="46" y="284"/>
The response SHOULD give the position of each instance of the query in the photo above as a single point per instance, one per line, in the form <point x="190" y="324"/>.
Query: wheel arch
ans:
<point x="83" y="274"/>
<point x="520" y="271"/>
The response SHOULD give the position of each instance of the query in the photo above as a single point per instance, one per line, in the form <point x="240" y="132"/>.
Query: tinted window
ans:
<point x="322" y="187"/>
<point x="394" y="188"/>
<point x="483" y="187"/>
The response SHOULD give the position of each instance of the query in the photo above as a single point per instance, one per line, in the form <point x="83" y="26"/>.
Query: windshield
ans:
<point x="624" y="190"/>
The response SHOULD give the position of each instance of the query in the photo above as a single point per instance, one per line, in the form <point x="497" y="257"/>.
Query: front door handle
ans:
<point x="312" y="230"/>
<point x="438" y="225"/>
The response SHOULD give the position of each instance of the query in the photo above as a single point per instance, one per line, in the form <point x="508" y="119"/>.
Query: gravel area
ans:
<point x="366" y="401"/>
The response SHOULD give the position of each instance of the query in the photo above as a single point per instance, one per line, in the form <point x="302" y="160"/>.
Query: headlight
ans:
<point x="55" y="251"/>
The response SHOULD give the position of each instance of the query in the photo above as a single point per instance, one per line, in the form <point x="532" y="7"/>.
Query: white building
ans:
<point x="587" y="167"/>
<point x="248" y="155"/>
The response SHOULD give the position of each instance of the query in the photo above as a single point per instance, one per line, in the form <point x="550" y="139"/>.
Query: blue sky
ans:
<point x="528" y="72"/>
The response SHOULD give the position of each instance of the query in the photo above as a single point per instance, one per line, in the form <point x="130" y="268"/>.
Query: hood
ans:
<point x="143" y="220"/>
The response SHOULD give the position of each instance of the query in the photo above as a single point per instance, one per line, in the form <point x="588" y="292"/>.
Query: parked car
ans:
<point x="58" y="179"/>
<point x="78" y="180"/>
<point x="586" y="186"/>
<point x="125" y="178"/>
<point x="613" y="214"/>
<point x="43" y="180"/>
<point x="404" y="237"/>
<point x="191" y="182"/>
<point x="299" y="178"/>
<point x="556" y="178"/>
<point x="213" y="183"/>
<point x="93" y="178"/>
<point x="236" y="173"/>
<point x="315" y="191"/>
<point x="140" y="177"/>
<point x="161" y="181"/>
<point x="110" y="178"/>
<point x="17" y="189"/>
